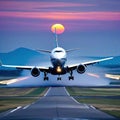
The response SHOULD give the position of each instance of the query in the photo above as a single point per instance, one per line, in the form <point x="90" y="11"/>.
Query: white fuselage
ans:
<point x="58" y="59"/>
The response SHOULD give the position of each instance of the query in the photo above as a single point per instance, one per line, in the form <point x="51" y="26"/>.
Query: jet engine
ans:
<point x="35" y="72"/>
<point x="81" y="69"/>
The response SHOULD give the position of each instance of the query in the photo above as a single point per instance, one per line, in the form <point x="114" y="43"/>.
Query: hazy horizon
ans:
<point x="93" y="26"/>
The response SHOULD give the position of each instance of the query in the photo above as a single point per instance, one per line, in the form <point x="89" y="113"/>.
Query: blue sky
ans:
<point x="91" y="25"/>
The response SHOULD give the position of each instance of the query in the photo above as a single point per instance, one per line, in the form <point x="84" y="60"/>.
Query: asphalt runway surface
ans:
<point x="56" y="104"/>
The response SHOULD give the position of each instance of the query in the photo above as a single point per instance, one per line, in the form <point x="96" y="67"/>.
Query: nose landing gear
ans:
<point x="71" y="77"/>
<point x="58" y="78"/>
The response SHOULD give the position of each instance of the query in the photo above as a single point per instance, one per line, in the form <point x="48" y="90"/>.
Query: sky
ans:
<point x="91" y="25"/>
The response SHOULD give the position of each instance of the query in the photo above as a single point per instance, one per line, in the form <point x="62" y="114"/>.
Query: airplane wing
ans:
<point x="74" y="66"/>
<point x="47" y="68"/>
<point x="25" y="67"/>
<point x="35" y="70"/>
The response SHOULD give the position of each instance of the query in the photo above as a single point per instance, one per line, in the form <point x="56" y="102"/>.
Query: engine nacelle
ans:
<point x="35" y="72"/>
<point x="81" y="69"/>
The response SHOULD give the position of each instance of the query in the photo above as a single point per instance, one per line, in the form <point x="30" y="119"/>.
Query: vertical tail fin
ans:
<point x="56" y="38"/>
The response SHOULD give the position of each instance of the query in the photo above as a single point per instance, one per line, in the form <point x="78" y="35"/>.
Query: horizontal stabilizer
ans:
<point x="46" y="51"/>
<point x="70" y="50"/>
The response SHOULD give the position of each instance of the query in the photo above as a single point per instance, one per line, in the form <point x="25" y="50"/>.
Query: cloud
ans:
<point x="43" y="20"/>
<point x="40" y="15"/>
<point x="36" y="6"/>
<point x="103" y="16"/>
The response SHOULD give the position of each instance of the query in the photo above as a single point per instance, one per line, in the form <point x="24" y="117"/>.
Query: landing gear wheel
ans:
<point x="46" y="78"/>
<point x="71" y="78"/>
<point x="59" y="78"/>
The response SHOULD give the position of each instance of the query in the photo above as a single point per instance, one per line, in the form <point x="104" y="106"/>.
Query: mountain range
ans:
<point x="21" y="56"/>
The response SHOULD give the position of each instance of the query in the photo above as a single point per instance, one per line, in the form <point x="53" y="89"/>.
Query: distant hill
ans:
<point x="20" y="56"/>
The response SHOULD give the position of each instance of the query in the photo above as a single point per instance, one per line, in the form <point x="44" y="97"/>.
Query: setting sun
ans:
<point x="59" y="28"/>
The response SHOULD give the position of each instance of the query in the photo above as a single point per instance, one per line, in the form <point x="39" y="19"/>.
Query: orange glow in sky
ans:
<point x="58" y="27"/>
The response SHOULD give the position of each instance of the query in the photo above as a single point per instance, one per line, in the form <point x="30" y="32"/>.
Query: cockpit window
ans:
<point x="58" y="51"/>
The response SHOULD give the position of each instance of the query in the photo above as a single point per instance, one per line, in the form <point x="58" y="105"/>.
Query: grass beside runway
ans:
<point x="105" y="99"/>
<point x="13" y="97"/>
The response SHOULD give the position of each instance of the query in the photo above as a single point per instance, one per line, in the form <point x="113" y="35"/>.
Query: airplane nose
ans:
<point x="61" y="61"/>
<point x="58" y="61"/>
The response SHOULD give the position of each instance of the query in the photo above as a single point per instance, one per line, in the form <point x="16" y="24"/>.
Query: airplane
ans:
<point x="58" y="57"/>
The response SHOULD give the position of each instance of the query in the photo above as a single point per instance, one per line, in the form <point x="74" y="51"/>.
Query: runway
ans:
<point x="56" y="104"/>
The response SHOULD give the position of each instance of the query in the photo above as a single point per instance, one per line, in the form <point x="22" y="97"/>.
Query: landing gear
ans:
<point x="45" y="76"/>
<point x="71" y="77"/>
<point x="59" y="78"/>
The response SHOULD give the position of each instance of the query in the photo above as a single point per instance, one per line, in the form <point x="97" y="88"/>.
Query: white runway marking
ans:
<point x="66" y="91"/>
<point x="47" y="92"/>
<point x="86" y="106"/>
<point x="92" y="107"/>
<point x="26" y="107"/>
<point x="71" y="97"/>
<point x="15" y="109"/>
